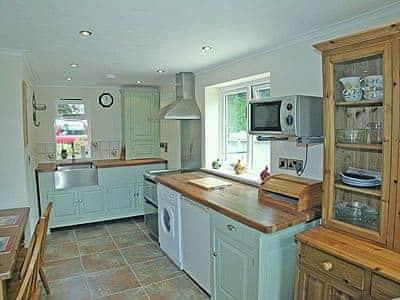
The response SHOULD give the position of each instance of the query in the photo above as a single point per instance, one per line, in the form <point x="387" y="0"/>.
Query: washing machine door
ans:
<point x="167" y="221"/>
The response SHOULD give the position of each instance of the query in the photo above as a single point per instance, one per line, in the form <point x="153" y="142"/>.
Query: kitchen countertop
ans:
<point x="108" y="163"/>
<point x="238" y="201"/>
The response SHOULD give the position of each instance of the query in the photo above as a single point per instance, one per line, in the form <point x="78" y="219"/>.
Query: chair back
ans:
<point x="29" y="288"/>
<point x="42" y="236"/>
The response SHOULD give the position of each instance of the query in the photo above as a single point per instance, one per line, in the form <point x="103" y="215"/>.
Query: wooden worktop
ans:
<point x="7" y="260"/>
<point x="108" y="163"/>
<point x="378" y="259"/>
<point x="238" y="201"/>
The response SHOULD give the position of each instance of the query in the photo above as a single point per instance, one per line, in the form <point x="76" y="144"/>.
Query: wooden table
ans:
<point x="7" y="260"/>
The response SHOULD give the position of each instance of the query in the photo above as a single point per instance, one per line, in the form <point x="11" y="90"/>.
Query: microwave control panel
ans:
<point x="287" y="116"/>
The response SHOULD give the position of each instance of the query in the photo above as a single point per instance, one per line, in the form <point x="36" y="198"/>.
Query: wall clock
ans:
<point x="106" y="100"/>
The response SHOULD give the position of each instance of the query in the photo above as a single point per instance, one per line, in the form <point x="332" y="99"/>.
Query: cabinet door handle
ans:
<point x="215" y="254"/>
<point x="327" y="266"/>
<point x="231" y="227"/>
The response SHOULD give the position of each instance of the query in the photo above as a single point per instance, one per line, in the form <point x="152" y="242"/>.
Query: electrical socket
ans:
<point x="294" y="164"/>
<point x="283" y="162"/>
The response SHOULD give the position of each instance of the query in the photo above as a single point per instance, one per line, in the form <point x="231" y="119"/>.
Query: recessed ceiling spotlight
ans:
<point x="139" y="81"/>
<point x="160" y="71"/>
<point x="74" y="65"/>
<point x="69" y="78"/>
<point x="85" y="33"/>
<point x="207" y="48"/>
<point x="110" y="76"/>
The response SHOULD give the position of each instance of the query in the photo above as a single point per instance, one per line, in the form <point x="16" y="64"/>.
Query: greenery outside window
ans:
<point x="236" y="143"/>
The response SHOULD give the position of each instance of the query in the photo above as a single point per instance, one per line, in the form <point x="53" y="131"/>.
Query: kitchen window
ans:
<point x="72" y="132"/>
<point x="236" y="143"/>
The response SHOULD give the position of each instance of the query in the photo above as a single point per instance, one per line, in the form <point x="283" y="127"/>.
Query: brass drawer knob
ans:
<point x="327" y="266"/>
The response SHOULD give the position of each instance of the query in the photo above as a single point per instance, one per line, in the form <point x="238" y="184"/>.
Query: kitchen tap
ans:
<point x="73" y="151"/>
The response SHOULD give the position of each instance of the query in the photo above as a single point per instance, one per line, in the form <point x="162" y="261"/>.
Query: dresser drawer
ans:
<point x="345" y="272"/>
<point x="382" y="288"/>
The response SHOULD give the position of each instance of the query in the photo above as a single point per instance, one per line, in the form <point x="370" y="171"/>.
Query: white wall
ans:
<point x="295" y="69"/>
<point x="105" y="122"/>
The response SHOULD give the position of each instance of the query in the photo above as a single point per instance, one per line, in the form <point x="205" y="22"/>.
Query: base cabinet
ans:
<point x="248" y="264"/>
<point x="119" y="194"/>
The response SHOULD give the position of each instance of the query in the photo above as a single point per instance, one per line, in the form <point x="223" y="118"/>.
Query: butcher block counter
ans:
<point x="238" y="201"/>
<point x="108" y="163"/>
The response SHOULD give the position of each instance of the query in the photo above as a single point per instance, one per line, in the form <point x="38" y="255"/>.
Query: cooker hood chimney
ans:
<point x="185" y="106"/>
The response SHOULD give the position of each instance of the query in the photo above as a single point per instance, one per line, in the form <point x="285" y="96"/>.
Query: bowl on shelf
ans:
<point x="352" y="136"/>
<point x="349" y="210"/>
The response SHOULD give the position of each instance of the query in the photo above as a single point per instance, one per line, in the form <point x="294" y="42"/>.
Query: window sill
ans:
<point x="246" y="178"/>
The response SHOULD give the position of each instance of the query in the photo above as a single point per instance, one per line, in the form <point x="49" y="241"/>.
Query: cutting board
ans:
<point x="210" y="183"/>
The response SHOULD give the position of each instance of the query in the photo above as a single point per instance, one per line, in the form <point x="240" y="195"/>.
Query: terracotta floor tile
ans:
<point x="102" y="261"/>
<point x="142" y="253"/>
<point x="134" y="294"/>
<point x="90" y="231"/>
<point x="175" y="289"/>
<point x="123" y="227"/>
<point x="61" y="236"/>
<point x="63" y="268"/>
<point x="155" y="270"/>
<point x="108" y="282"/>
<point x="61" y="251"/>
<point x="100" y="244"/>
<point x="131" y="239"/>
<point x="68" y="289"/>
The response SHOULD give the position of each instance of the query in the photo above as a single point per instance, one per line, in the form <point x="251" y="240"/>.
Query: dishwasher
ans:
<point x="196" y="242"/>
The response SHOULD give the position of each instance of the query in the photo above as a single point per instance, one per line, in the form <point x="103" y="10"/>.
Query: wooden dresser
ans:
<point x="355" y="254"/>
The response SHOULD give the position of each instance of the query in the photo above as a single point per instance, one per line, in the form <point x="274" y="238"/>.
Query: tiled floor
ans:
<point x="112" y="260"/>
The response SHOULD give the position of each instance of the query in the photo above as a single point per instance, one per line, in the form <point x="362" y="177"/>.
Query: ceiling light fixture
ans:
<point x="207" y="48"/>
<point x="110" y="76"/>
<point x="74" y="65"/>
<point x="85" y="33"/>
<point x="160" y="71"/>
<point x="69" y="78"/>
<point x="139" y="82"/>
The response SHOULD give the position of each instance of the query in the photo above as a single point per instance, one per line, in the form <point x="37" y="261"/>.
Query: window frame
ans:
<point x="247" y="87"/>
<point x="85" y="116"/>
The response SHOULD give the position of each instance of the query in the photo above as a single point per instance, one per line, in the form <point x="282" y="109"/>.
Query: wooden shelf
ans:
<point x="377" y="192"/>
<point x="372" y="147"/>
<point x="360" y="103"/>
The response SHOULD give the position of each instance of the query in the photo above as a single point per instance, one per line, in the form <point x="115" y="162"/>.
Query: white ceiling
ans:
<point x="132" y="39"/>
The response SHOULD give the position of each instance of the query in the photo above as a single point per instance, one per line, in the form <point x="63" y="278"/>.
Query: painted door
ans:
<point x="92" y="203"/>
<point x="65" y="207"/>
<point x="233" y="269"/>
<point x="122" y="200"/>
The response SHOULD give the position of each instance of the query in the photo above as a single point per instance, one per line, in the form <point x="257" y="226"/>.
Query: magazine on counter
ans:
<point x="10" y="220"/>
<point x="6" y="243"/>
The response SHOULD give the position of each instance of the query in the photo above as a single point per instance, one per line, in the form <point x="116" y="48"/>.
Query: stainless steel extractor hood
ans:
<point x="185" y="106"/>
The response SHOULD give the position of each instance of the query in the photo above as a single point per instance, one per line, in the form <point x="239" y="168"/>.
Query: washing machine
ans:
<point x="169" y="223"/>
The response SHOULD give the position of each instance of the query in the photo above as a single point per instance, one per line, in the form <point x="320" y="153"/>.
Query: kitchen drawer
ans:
<point x="345" y="272"/>
<point x="382" y="288"/>
<point x="235" y="230"/>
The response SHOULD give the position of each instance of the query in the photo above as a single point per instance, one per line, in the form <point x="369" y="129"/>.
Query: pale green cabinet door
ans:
<point x="139" y="199"/>
<point x="92" y="203"/>
<point x="65" y="207"/>
<point x="121" y="200"/>
<point x="233" y="269"/>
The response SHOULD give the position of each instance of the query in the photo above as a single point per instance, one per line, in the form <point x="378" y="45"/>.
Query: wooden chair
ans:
<point x="25" y="255"/>
<point x="26" y="286"/>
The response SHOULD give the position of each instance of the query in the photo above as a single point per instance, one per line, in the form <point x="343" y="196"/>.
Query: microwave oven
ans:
<point x="290" y="116"/>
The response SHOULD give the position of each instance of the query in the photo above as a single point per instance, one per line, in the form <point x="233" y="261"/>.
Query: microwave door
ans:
<point x="265" y="117"/>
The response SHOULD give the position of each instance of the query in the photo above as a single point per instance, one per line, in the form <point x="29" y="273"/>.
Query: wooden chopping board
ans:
<point x="210" y="183"/>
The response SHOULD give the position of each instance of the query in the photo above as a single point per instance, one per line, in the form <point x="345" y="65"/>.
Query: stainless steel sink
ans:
<point x="75" y="175"/>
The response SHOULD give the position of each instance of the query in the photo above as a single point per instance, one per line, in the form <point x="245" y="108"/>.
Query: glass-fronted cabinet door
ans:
<point x="358" y="92"/>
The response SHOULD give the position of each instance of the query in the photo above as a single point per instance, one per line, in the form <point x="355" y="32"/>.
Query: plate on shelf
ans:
<point x="361" y="178"/>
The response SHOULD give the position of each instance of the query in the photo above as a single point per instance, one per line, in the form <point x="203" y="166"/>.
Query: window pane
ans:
<point x="71" y="109"/>
<point x="72" y="133"/>
<point x="236" y="128"/>
<point x="261" y="91"/>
